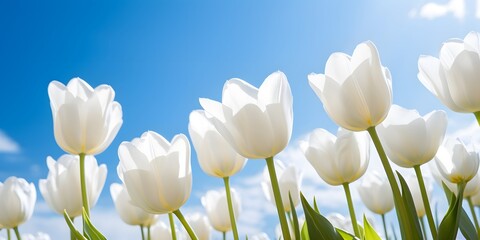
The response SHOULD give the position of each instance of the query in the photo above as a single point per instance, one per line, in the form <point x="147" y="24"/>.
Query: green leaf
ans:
<point x="315" y="205"/>
<point x="369" y="232"/>
<point x="89" y="230"/>
<point x="345" y="235"/>
<point x="294" y="216"/>
<point x="448" y="228"/>
<point x="77" y="234"/>
<point x="466" y="226"/>
<point x="319" y="228"/>
<point x="413" y="229"/>
<point x="304" y="233"/>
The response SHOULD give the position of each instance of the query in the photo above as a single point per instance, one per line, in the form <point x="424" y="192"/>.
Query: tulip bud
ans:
<point x="129" y="213"/>
<point x="289" y="181"/>
<point x="376" y="193"/>
<point x="216" y="206"/>
<point x="17" y="201"/>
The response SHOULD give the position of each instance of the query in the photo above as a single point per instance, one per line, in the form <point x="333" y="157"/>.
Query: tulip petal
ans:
<point x="238" y="93"/>
<point x="463" y="80"/>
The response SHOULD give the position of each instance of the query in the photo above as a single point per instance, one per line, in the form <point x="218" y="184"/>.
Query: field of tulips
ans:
<point x="256" y="123"/>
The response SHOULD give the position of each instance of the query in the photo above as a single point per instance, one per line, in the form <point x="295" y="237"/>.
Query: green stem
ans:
<point x="474" y="215"/>
<point x="477" y="116"/>
<point x="9" y="236"/>
<point x="72" y="234"/>
<point x="278" y="199"/>
<point x="172" y="226"/>
<point x="384" y="226"/>
<point x="426" y="203"/>
<point x="17" y="233"/>
<point x="226" y="181"/>
<point x="461" y="189"/>
<point x="224" y="235"/>
<point x="290" y="219"/>
<point x="149" y="236"/>
<point x="83" y="185"/>
<point x="141" y="230"/>
<point x="397" y="197"/>
<point x="424" y="230"/>
<point x="346" y="187"/>
<point x="187" y="227"/>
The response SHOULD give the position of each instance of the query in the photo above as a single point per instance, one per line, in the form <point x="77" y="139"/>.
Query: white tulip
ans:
<point x="85" y="120"/>
<point x="412" y="183"/>
<point x="338" y="159"/>
<point x="289" y="181"/>
<point x="410" y="139"/>
<point x="256" y="122"/>
<point x="157" y="173"/>
<point x="200" y="225"/>
<point x="216" y="206"/>
<point x="17" y="201"/>
<point x="128" y="212"/>
<point x="215" y="155"/>
<point x="471" y="189"/>
<point x="453" y="77"/>
<point x="61" y="189"/>
<point x="162" y="231"/>
<point x="356" y="91"/>
<point x="376" y="193"/>
<point x="456" y="163"/>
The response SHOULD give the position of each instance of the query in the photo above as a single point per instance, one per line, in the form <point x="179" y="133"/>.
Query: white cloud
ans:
<point x="7" y="144"/>
<point x="433" y="10"/>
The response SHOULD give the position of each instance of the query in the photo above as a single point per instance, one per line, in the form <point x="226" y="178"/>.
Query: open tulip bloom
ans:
<point x="157" y="173"/>
<point x="257" y="122"/>
<point x="216" y="206"/>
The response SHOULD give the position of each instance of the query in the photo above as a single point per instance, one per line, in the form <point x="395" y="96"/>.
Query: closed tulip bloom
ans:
<point x="215" y="204"/>
<point x="200" y="225"/>
<point x="453" y="77"/>
<point x="410" y="139"/>
<point x="376" y="193"/>
<point x="157" y="173"/>
<point x="85" y="120"/>
<point x="215" y="155"/>
<point x="471" y="189"/>
<point x="455" y="163"/>
<point x="61" y="189"/>
<point x="338" y="159"/>
<point x="356" y="91"/>
<point x="289" y="181"/>
<point x="17" y="201"/>
<point x="256" y="122"/>
<point x="412" y="183"/>
<point x="128" y="212"/>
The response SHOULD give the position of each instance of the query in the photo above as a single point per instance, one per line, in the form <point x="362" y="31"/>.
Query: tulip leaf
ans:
<point x="315" y="205"/>
<point x="319" y="227"/>
<point x="345" y="235"/>
<point x="294" y="216"/>
<point x="448" y="228"/>
<point x="413" y="228"/>
<point x="77" y="234"/>
<point x="466" y="226"/>
<point x="89" y="230"/>
<point x="369" y="232"/>
<point x="304" y="233"/>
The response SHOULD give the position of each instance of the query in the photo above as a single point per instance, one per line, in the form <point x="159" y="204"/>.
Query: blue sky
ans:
<point x="160" y="57"/>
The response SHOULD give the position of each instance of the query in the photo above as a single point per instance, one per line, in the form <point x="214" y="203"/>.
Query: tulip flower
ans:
<point x="215" y="155"/>
<point x="200" y="225"/>
<point x="62" y="191"/>
<point x="453" y="77"/>
<point x="85" y="120"/>
<point x="289" y="180"/>
<point x="417" y="195"/>
<point x="215" y="204"/>
<point x="455" y="163"/>
<point x="356" y="91"/>
<point x="128" y="212"/>
<point x="157" y="173"/>
<point x="377" y="195"/>
<point x="161" y="231"/>
<point x="409" y="139"/>
<point x="17" y="201"/>
<point x="339" y="160"/>
<point x="256" y="122"/>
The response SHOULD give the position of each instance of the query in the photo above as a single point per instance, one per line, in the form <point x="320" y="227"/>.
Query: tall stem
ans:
<point x="149" y="236"/>
<point x="72" y="234"/>
<point x="226" y="181"/>
<point x="17" y="234"/>
<point x="278" y="199"/>
<point x="172" y="226"/>
<point x="477" y="116"/>
<point x="424" y="230"/>
<point x="224" y="235"/>
<point x="141" y="230"/>
<point x="384" y="226"/>
<point x="474" y="215"/>
<point x="9" y="236"/>
<point x="187" y="227"/>
<point x="353" y="217"/>
<point x="83" y="185"/>
<point x="426" y="203"/>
